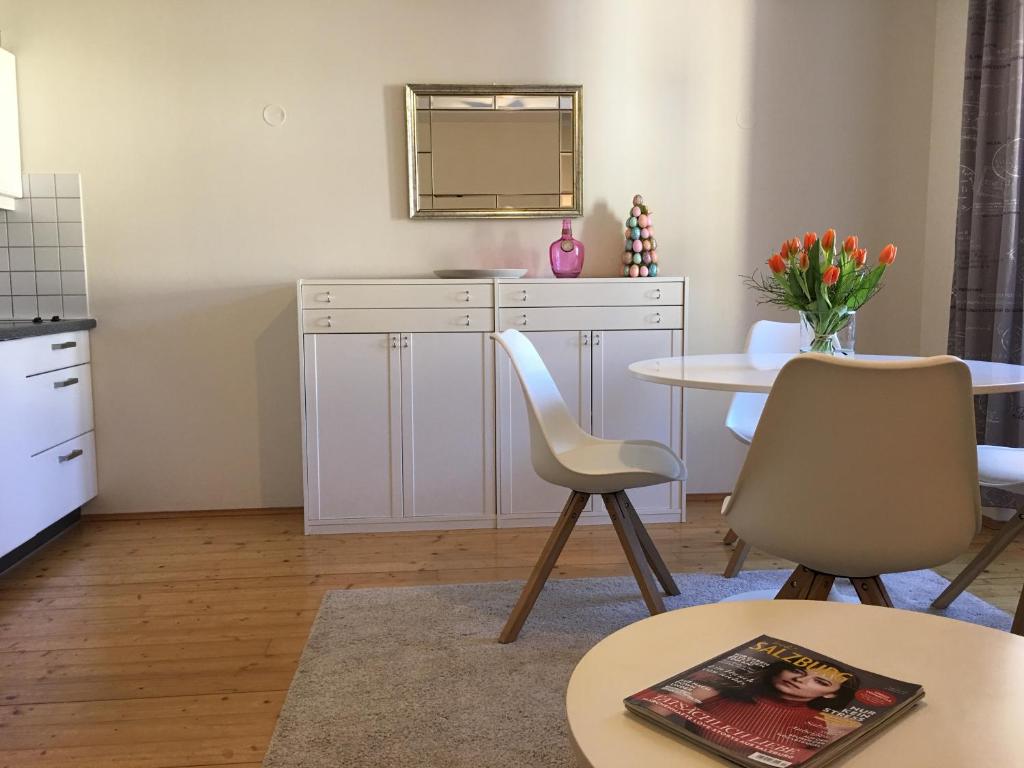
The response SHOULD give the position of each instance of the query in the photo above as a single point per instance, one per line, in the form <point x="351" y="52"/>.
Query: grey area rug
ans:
<point x="413" y="677"/>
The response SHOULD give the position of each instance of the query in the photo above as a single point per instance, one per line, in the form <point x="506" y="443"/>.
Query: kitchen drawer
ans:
<point x="57" y="406"/>
<point x="383" y="296"/>
<point x="396" y="320"/>
<point x="568" y="293"/>
<point x="44" y="488"/>
<point x="25" y="357"/>
<point x="590" y="318"/>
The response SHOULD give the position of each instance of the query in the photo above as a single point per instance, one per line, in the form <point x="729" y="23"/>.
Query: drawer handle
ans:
<point x="327" y="321"/>
<point x="65" y="383"/>
<point x="467" y="296"/>
<point x="524" y="320"/>
<point x="468" y="322"/>
<point x="657" y="318"/>
<point x="64" y="345"/>
<point x="524" y="295"/>
<point x="657" y="294"/>
<point x="68" y="457"/>
<point x="328" y="298"/>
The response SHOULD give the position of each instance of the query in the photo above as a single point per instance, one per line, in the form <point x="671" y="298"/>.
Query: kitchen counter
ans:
<point x="23" y="329"/>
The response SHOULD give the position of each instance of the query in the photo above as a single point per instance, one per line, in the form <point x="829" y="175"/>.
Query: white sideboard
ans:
<point x="47" y="450"/>
<point x="412" y="419"/>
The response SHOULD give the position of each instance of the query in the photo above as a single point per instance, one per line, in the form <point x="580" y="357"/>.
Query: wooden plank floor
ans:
<point x="171" y="642"/>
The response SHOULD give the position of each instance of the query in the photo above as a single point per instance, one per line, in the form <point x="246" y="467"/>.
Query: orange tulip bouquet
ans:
<point x="825" y="284"/>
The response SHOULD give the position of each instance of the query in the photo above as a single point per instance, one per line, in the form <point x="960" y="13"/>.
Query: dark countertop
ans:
<point x="23" y="329"/>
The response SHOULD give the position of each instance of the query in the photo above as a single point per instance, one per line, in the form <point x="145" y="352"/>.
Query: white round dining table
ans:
<point x="757" y="372"/>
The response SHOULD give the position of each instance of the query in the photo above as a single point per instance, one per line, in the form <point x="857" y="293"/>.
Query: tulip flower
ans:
<point x="831" y="275"/>
<point x="804" y="261"/>
<point x="809" y="239"/>
<point x="860" y="255"/>
<point x="850" y="244"/>
<point x="828" y="239"/>
<point x="888" y="255"/>
<point x="794" y="245"/>
<point x="777" y="264"/>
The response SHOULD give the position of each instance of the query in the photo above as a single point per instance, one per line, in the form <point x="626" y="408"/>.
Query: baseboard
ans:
<point x="48" y="534"/>
<point x="707" y="497"/>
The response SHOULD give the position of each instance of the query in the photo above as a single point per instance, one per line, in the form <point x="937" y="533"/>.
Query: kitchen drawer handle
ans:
<point x="73" y="455"/>
<point x="327" y="321"/>
<point x="63" y="345"/>
<point x="467" y="322"/>
<point x="524" y="295"/>
<point x="657" y="294"/>
<point x="657" y="318"/>
<point x="329" y="298"/>
<point x="65" y="383"/>
<point x="524" y="320"/>
<point x="468" y="296"/>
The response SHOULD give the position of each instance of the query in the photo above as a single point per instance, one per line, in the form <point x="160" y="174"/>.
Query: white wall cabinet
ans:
<point x="10" y="137"/>
<point x="413" y="419"/>
<point x="47" y="450"/>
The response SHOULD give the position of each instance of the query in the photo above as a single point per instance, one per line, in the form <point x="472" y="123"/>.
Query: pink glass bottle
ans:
<point x="566" y="253"/>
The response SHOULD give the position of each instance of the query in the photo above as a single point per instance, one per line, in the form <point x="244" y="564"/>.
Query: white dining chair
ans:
<point x="859" y="468"/>
<point x="998" y="467"/>
<point x="564" y="454"/>
<point x="765" y="336"/>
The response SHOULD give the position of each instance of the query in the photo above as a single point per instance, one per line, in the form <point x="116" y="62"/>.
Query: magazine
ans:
<point x="774" y="703"/>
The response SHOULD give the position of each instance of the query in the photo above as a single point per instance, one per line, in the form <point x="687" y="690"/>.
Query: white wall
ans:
<point x="741" y="123"/>
<point x="943" y="173"/>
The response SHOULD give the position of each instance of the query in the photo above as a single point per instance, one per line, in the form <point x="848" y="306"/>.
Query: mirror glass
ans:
<point x="508" y="151"/>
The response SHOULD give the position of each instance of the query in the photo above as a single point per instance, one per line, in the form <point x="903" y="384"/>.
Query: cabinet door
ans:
<point x="626" y="408"/>
<point x="567" y="356"/>
<point x="10" y="143"/>
<point x="353" y="426"/>
<point x="448" y="425"/>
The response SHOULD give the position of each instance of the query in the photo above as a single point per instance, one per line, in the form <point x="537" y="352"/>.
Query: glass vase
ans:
<point x="831" y="334"/>
<point x="566" y="253"/>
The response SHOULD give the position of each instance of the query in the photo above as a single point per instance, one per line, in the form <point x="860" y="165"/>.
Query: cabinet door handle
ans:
<point x="63" y="345"/>
<point x="394" y="342"/>
<point x="597" y="339"/>
<point x="65" y="383"/>
<point x="326" y="297"/>
<point x="585" y="339"/>
<point x="68" y="457"/>
<point x="405" y="342"/>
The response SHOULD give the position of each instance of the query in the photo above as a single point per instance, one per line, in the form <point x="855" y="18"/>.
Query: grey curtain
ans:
<point x="986" y="319"/>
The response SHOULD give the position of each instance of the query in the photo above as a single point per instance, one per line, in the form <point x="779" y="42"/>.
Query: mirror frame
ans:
<point x="413" y="90"/>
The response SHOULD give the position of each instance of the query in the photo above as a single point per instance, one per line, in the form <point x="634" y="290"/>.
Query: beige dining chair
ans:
<point x="860" y="468"/>
<point x="765" y="336"/>
<point x="998" y="467"/>
<point x="564" y="454"/>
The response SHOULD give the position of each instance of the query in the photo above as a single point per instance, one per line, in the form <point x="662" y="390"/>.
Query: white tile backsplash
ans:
<point x="42" y="253"/>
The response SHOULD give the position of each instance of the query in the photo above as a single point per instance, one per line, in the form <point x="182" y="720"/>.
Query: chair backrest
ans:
<point x="552" y="428"/>
<point x="862" y="467"/>
<point x="764" y="336"/>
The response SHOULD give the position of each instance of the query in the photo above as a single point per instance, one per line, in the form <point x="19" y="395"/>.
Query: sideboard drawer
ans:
<point x="396" y="320"/>
<point x="567" y="293"/>
<point x="596" y="318"/>
<point x="27" y="357"/>
<point x="384" y="296"/>
<point x="57" y="407"/>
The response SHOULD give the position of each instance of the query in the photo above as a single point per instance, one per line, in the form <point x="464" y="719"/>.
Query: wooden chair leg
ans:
<point x="798" y="585"/>
<point x="1017" y="627"/>
<point x="634" y="554"/>
<point x="871" y="591"/>
<point x="548" y="556"/>
<point x="739" y="556"/>
<point x="981" y="561"/>
<point x="661" y="571"/>
<point x="730" y="537"/>
<point x="820" y="587"/>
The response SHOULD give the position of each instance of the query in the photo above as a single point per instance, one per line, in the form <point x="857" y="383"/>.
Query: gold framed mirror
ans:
<point x="494" y="151"/>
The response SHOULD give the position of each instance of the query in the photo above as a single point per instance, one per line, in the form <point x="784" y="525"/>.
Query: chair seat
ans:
<point x="1001" y="467"/>
<point x="606" y="466"/>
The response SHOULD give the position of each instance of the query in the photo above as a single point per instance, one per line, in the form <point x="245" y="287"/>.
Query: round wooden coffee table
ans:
<point x="973" y="679"/>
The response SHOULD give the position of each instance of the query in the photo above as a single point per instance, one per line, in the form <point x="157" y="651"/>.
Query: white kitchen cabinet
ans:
<point x="412" y="418"/>
<point x="523" y="496"/>
<point x="353" y="426"/>
<point x="47" y="449"/>
<point x="10" y="137"/>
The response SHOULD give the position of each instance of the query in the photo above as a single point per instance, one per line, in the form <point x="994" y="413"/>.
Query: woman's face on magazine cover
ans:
<point x="795" y="685"/>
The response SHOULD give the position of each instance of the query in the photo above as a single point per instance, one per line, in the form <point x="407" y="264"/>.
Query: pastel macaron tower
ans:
<point x="641" y="256"/>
